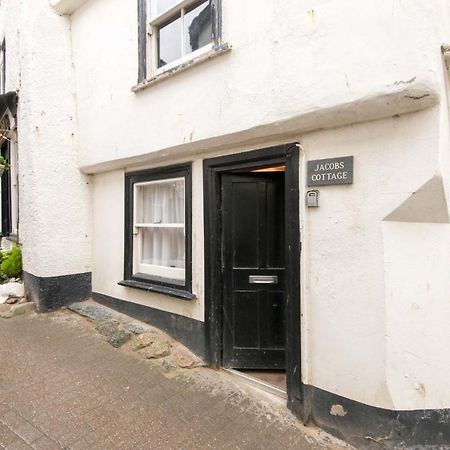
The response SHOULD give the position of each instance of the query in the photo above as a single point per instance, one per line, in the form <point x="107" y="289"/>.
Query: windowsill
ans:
<point x="159" y="289"/>
<point x="195" y="61"/>
<point x="184" y="59"/>
<point x="10" y="237"/>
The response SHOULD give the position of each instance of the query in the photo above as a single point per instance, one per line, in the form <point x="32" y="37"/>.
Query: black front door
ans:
<point x="253" y="263"/>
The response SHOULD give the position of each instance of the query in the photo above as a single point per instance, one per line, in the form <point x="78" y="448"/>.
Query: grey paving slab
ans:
<point x="62" y="386"/>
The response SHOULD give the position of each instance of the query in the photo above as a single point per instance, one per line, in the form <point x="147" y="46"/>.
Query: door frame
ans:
<point x="213" y="168"/>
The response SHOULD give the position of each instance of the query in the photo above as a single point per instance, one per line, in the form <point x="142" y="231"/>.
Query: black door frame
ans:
<point x="212" y="169"/>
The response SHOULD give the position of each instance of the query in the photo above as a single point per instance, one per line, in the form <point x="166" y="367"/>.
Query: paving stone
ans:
<point x="119" y="338"/>
<point x="15" y="309"/>
<point x="154" y="396"/>
<point x="12" y="419"/>
<point x="134" y="327"/>
<point x="28" y="432"/>
<point x="144" y="340"/>
<point x="7" y="436"/>
<point x="19" y="445"/>
<point x="183" y="357"/>
<point x="92" y="311"/>
<point x="60" y="380"/>
<point x="157" y="349"/>
<point x="169" y="364"/>
<point x="45" y="443"/>
<point x="22" y="308"/>
<point x="107" y="327"/>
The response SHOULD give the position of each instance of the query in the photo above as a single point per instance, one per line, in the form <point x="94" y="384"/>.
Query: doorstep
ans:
<point x="258" y="384"/>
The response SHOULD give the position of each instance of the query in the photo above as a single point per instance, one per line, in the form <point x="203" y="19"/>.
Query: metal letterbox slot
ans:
<point x="263" y="279"/>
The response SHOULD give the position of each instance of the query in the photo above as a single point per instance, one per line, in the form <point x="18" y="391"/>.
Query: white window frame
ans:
<point x="171" y="273"/>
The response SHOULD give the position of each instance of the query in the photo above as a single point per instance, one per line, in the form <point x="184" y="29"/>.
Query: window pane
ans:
<point x="163" y="247"/>
<point x="169" y="42"/>
<point x="197" y="27"/>
<point x="162" y="202"/>
<point x="160" y="6"/>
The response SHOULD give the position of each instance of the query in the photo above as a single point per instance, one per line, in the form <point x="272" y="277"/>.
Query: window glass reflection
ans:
<point x="169" y="38"/>
<point x="197" y="26"/>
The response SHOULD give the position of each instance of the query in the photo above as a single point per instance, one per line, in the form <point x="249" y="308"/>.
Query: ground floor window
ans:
<point x="158" y="229"/>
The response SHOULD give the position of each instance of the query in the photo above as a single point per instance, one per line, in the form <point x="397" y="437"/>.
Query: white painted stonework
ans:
<point x="342" y="78"/>
<point x="11" y="289"/>
<point x="55" y="215"/>
<point x="66" y="6"/>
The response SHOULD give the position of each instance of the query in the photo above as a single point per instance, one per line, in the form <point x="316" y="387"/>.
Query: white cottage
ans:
<point x="267" y="181"/>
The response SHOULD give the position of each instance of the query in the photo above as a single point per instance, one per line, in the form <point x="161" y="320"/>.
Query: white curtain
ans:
<point x="163" y="247"/>
<point x="163" y="205"/>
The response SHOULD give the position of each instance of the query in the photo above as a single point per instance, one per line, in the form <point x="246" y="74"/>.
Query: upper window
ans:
<point x="180" y="29"/>
<point x="158" y="235"/>
<point x="172" y="32"/>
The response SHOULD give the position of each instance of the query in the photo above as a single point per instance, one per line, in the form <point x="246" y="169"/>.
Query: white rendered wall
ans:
<point x="355" y="301"/>
<point x="294" y="66"/>
<point x="55" y="213"/>
<point x="363" y="274"/>
<point x="374" y="304"/>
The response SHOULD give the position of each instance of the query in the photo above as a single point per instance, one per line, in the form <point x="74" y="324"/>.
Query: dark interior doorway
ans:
<point x="252" y="264"/>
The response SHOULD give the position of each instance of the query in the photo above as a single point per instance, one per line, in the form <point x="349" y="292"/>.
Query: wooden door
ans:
<point x="253" y="263"/>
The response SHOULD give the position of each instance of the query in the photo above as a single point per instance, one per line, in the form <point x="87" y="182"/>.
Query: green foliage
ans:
<point x="4" y="163"/>
<point x="11" y="265"/>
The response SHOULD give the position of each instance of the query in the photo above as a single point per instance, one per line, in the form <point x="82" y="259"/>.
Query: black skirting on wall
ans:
<point x="369" y="427"/>
<point x="189" y="332"/>
<point x="51" y="293"/>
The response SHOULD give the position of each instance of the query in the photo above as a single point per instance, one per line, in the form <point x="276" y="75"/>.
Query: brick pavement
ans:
<point x="63" y="386"/>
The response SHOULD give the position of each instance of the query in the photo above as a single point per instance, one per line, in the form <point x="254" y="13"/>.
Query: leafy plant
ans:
<point x="4" y="163"/>
<point x="11" y="264"/>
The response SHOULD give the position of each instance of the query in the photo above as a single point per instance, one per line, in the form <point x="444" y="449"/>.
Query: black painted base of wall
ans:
<point x="369" y="427"/>
<point x="189" y="332"/>
<point x="50" y="293"/>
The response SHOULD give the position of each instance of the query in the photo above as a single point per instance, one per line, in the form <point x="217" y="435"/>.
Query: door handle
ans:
<point x="263" y="279"/>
